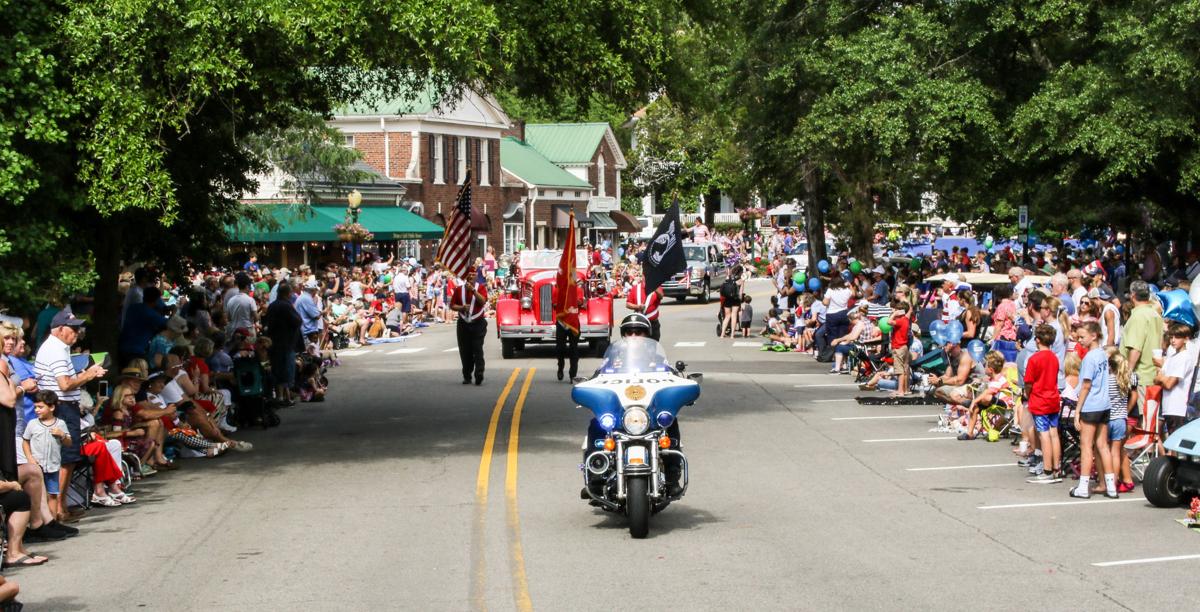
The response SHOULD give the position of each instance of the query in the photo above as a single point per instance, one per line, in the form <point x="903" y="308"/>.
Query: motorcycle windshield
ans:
<point x="634" y="355"/>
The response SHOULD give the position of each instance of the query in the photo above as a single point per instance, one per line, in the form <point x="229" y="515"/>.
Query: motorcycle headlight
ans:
<point x="665" y="419"/>
<point x="636" y="420"/>
<point x="608" y="422"/>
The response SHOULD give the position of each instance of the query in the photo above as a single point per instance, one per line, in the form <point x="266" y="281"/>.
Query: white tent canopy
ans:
<point x="791" y="208"/>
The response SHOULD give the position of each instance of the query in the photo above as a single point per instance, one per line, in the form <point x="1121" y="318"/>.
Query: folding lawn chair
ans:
<point x="1143" y="442"/>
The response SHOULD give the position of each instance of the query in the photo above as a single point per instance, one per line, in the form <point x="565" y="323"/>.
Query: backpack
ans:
<point x="729" y="292"/>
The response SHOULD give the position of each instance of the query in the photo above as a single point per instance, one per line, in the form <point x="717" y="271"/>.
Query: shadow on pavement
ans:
<point x="676" y="517"/>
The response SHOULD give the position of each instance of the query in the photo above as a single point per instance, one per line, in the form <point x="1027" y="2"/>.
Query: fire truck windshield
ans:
<point x="548" y="260"/>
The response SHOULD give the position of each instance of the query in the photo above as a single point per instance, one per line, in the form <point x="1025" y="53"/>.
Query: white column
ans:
<point x="413" y="171"/>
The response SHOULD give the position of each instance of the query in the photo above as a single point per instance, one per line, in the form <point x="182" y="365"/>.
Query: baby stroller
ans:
<point x="865" y="363"/>
<point x="250" y="394"/>
<point x="1069" y="438"/>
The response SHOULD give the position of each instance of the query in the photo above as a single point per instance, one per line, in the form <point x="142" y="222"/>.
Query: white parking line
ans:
<point x="892" y="416"/>
<point x="352" y="352"/>
<point x="1064" y="503"/>
<point x="406" y="351"/>
<point x="1147" y="560"/>
<point x="824" y="386"/>
<point x="451" y="350"/>
<point x="747" y="344"/>
<point x="910" y="439"/>
<point x="961" y="467"/>
<point x="689" y="344"/>
<point x="830" y="401"/>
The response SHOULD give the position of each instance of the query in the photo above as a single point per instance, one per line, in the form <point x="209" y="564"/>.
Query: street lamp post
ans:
<point x="354" y="203"/>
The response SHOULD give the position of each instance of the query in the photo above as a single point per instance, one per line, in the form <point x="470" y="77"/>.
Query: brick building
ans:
<point x="428" y="144"/>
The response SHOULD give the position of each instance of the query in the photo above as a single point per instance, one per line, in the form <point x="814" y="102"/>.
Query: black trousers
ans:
<point x="566" y="344"/>
<point x="655" y="330"/>
<point x="470" y="347"/>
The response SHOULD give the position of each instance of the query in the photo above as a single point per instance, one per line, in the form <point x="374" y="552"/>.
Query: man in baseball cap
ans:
<point x="56" y="372"/>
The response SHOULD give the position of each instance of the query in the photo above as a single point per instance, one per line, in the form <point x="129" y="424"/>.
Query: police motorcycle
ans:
<point x="632" y="461"/>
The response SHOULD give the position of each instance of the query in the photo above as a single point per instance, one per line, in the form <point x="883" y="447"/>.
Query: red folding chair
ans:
<point x="1142" y="444"/>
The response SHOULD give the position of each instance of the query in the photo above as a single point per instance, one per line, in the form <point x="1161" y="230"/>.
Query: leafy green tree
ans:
<point x="132" y="124"/>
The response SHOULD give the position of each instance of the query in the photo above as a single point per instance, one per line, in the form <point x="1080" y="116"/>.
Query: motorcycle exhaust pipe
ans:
<point x="599" y="463"/>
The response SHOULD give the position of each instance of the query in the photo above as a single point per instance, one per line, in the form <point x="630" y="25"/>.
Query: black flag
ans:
<point x="664" y="255"/>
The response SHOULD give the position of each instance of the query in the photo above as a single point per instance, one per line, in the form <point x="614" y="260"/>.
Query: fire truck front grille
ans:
<point x="545" y="303"/>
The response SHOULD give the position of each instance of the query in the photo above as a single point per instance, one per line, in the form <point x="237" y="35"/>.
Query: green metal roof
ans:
<point x="566" y="143"/>
<point x="413" y="103"/>
<point x="523" y="161"/>
<point x="386" y="222"/>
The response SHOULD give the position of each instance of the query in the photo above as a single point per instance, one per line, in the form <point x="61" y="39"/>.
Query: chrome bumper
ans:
<point x="546" y="332"/>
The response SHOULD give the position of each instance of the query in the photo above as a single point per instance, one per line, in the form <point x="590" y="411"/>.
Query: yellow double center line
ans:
<point x="478" y="544"/>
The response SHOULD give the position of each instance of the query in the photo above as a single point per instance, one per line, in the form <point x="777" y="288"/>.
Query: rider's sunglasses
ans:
<point x="637" y="332"/>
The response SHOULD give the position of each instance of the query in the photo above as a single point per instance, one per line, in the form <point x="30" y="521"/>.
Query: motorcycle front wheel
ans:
<point x="637" y="505"/>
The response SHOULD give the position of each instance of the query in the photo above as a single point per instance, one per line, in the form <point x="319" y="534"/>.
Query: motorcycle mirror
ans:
<point x="577" y="380"/>
<point x="681" y="366"/>
<point x="696" y="376"/>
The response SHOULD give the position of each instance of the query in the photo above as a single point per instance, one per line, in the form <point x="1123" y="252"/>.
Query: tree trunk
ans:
<point x="814" y="218"/>
<point x="107" y="306"/>
<point x="862" y="226"/>
<point x="712" y="202"/>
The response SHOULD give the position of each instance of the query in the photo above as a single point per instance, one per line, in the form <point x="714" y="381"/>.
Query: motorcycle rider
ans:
<point x="636" y="325"/>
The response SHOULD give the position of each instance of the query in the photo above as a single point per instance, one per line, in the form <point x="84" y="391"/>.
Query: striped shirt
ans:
<point x="54" y="360"/>
<point x="649" y="302"/>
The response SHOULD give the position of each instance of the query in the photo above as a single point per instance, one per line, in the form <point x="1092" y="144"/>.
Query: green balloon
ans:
<point x="385" y="279"/>
<point x="988" y="242"/>
<point x="798" y="277"/>
<point x="855" y="267"/>
<point x="885" y="325"/>
<point x="520" y="246"/>
<point x="915" y="263"/>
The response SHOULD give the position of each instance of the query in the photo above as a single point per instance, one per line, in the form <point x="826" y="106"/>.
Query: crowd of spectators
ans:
<point x="1073" y="338"/>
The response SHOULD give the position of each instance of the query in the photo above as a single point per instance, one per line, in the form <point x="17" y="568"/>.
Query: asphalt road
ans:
<point x="407" y="490"/>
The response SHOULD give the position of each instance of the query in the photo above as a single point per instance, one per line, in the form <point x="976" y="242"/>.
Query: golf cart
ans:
<point x="1170" y="481"/>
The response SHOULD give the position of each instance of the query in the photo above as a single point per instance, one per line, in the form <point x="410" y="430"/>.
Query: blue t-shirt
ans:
<point x="24" y="370"/>
<point x="1095" y="369"/>
<point x="141" y="324"/>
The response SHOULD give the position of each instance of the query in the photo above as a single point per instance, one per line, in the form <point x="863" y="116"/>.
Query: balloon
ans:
<point x="1177" y="306"/>
<point x="855" y="267"/>
<point x="798" y="287"/>
<point x="977" y="350"/>
<point x="520" y="246"/>
<point x="915" y="263"/>
<point x="988" y="242"/>
<point x="847" y="276"/>
<point x="954" y="331"/>
<point x="798" y="277"/>
<point x="814" y="284"/>
<point x="937" y="331"/>
<point x="823" y="266"/>
<point x="885" y="325"/>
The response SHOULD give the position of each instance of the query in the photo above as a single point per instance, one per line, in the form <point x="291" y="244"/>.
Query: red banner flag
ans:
<point x="566" y="299"/>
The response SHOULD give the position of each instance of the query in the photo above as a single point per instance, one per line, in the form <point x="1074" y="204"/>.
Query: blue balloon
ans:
<point x="1153" y="288"/>
<point x="1178" y="307"/>
<point x="823" y="267"/>
<point x="977" y="350"/>
<point x="937" y="331"/>
<point x="847" y="276"/>
<point x="797" y="287"/>
<point x="954" y="331"/>
<point x="814" y="284"/>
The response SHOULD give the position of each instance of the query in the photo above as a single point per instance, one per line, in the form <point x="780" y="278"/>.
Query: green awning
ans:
<point x="385" y="222"/>
<point x="601" y="221"/>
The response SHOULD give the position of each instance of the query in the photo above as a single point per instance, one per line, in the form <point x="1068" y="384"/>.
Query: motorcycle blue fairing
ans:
<point x="599" y="401"/>
<point x="672" y="399"/>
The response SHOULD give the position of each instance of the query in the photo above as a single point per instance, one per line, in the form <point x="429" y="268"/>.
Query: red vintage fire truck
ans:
<point x="525" y="311"/>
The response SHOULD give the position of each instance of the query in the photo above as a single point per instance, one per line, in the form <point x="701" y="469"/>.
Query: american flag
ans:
<point x="455" y="251"/>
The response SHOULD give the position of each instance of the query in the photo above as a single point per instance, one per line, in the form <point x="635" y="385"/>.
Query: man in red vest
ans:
<point x="639" y="301"/>
<point x="469" y="299"/>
